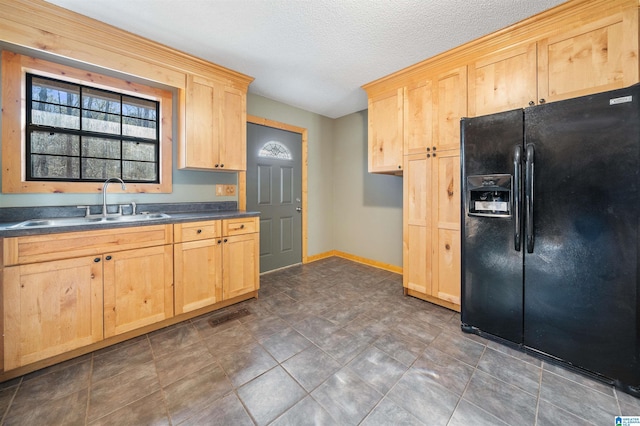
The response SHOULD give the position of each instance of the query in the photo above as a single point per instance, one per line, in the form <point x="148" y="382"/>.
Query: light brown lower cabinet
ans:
<point x="51" y="308"/>
<point x="431" y="227"/>
<point x="215" y="261"/>
<point x="198" y="274"/>
<point x="138" y="288"/>
<point x="240" y="264"/>
<point x="65" y="292"/>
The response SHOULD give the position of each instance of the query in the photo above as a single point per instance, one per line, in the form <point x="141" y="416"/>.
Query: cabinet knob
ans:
<point x="531" y="103"/>
<point x="543" y="100"/>
<point x="225" y="240"/>
<point x="217" y="165"/>
<point x="108" y="257"/>
<point x="242" y="226"/>
<point x="199" y="231"/>
<point x="428" y="149"/>
<point x="400" y="166"/>
<point x="434" y="148"/>
<point x="97" y="259"/>
<point x="221" y="165"/>
<point x="428" y="155"/>
<point x="434" y="155"/>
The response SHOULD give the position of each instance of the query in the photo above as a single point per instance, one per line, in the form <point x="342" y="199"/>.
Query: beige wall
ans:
<point x="367" y="207"/>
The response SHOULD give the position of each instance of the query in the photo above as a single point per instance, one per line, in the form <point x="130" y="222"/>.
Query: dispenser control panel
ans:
<point x="489" y="195"/>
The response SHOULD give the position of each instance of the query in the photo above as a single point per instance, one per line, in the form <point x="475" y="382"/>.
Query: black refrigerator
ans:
<point x="550" y="221"/>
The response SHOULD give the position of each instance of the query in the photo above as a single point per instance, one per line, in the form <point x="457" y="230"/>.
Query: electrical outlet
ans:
<point x="230" y="190"/>
<point x="225" y="190"/>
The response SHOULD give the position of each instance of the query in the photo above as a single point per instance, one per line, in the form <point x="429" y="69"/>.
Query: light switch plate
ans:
<point x="220" y="190"/>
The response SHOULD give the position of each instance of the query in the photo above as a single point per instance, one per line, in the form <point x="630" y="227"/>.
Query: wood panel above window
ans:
<point x="128" y="135"/>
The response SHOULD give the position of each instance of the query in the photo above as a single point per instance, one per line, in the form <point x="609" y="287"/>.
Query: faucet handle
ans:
<point x="87" y="211"/>
<point x="133" y="208"/>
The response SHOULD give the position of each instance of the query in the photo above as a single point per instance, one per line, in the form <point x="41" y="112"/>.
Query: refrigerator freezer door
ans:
<point x="581" y="281"/>
<point x="491" y="267"/>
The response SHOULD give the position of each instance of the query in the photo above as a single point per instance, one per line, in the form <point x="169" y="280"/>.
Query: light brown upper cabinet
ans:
<point x="450" y="104"/>
<point x="591" y="58"/>
<point x="596" y="57"/>
<point x="215" y="136"/>
<point x="503" y="81"/>
<point x="418" y="117"/>
<point x="386" y="132"/>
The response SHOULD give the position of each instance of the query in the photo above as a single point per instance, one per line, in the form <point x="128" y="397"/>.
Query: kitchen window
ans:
<point x="79" y="133"/>
<point x="66" y="129"/>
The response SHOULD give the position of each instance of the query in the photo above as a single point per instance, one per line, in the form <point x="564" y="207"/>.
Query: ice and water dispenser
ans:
<point x="489" y="195"/>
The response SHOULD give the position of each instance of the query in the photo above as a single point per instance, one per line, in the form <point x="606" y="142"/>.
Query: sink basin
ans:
<point x="77" y="221"/>
<point x="136" y="218"/>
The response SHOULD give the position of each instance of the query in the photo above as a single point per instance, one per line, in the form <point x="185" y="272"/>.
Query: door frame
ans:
<point x="242" y="176"/>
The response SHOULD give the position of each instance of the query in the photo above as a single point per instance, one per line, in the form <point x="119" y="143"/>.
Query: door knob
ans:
<point x="298" y="209"/>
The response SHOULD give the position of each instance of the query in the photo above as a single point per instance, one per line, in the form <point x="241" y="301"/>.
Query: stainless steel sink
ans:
<point x="78" y="221"/>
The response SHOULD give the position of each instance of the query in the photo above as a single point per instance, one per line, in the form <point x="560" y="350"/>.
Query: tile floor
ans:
<point x="329" y="343"/>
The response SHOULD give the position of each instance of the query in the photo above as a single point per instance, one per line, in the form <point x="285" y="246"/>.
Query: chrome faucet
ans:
<point x="104" y="193"/>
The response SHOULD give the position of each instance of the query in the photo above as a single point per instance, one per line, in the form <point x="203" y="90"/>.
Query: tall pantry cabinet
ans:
<point x="577" y="48"/>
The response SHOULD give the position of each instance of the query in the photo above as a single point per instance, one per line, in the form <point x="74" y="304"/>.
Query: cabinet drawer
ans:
<point x="246" y="225"/>
<point x="193" y="231"/>
<point x="41" y="248"/>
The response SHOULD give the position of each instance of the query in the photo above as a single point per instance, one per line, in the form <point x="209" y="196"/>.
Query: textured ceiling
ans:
<point x="312" y="54"/>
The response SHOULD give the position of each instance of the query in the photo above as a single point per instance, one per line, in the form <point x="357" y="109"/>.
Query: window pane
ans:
<point x="94" y="168"/>
<point x="139" y="151"/>
<point x="100" y="148"/>
<point x="95" y="121"/>
<point x="138" y="128"/>
<point x="100" y="101"/>
<point x="47" y="166"/>
<point x="139" y="171"/>
<point x="275" y="149"/>
<point x="54" y="143"/>
<point x="139" y="117"/>
<point x="55" y="103"/>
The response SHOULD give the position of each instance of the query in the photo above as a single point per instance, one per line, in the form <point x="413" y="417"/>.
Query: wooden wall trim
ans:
<point x="564" y="17"/>
<point x="363" y="260"/>
<point x="45" y="27"/>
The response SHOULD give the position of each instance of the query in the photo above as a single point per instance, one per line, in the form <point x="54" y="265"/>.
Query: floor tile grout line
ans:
<point x="13" y="398"/>
<point x="539" y="396"/>
<point x="89" y="388"/>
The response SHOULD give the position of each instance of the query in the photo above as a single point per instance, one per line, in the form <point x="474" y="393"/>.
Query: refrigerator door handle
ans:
<point x="529" y="196"/>
<point x="517" y="202"/>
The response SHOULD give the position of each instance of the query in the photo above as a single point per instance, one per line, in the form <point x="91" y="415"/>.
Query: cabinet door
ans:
<point x="200" y="148"/>
<point x="240" y="270"/>
<point x="138" y="288"/>
<point x="417" y="230"/>
<point x="450" y="105"/>
<point x="51" y="308"/>
<point x="503" y="81"/>
<point x="596" y="57"/>
<point x="418" y="117"/>
<point x="446" y="229"/>
<point x="198" y="274"/>
<point x="385" y="132"/>
<point x="233" y="129"/>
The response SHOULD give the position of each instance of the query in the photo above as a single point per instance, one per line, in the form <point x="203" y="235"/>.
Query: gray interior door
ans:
<point x="274" y="188"/>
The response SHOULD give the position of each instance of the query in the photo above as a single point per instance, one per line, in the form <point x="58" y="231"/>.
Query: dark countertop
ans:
<point x="177" y="212"/>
